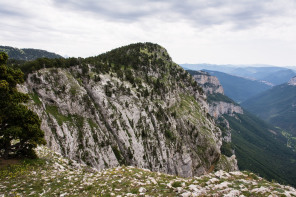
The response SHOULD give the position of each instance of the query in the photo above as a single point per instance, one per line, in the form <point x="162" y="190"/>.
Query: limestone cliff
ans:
<point x="131" y="106"/>
<point x="210" y="84"/>
<point x="219" y="104"/>
<point x="219" y="108"/>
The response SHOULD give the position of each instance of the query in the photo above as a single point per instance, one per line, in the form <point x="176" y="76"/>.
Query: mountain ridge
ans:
<point x="239" y="88"/>
<point x="27" y="54"/>
<point x="132" y="106"/>
<point x="274" y="75"/>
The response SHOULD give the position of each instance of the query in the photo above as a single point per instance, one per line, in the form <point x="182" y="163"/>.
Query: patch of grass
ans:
<point x="92" y="124"/>
<point x="53" y="110"/>
<point x="176" y="184"/>
<point x="217" y="97"/>
<point x="134" y="190"/>
<point x="169" y="134"/>
<point x="189" y="107"/>
<point x="291" y="140"/>
<point x="73" y="90"/>
<point x="118" y="155"/>
<point x="20" y="169"/>
<point x="35" y="98"/>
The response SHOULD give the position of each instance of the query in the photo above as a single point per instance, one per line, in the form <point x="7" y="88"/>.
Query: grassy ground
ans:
<point x="53" y="175"/>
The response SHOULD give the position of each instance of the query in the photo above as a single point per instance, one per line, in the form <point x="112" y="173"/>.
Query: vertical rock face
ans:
<point x="219" y="105"/>
<point x="130" y="106"/>
<point x="210" y="84"/>
<point x="216" y="109"/>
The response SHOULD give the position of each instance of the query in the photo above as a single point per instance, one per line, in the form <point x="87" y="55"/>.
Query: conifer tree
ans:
<point x="19" y="127"/>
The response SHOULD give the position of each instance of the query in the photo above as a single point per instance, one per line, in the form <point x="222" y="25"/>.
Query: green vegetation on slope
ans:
<point x="131" y="63"/>
<point x="217" y="97"/>
<point x="277" y="106"/>
<point x="261" y="148"/>
<point x="291" y="141"/>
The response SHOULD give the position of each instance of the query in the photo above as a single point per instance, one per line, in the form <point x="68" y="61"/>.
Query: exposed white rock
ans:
<point x="213" y="180"/>
<point x="261" y="190"/>
<point x="217" y="109"/>
<point x="237" y="173"/>
<point x="186" y="194"/>
<point x="292" y="81"/>
<point x="222" y="185"/>
<point x="232" y="193"/>
<point x="142" y="190"/>
<point x="221" y="174"/>
<point x="210" y="84"/>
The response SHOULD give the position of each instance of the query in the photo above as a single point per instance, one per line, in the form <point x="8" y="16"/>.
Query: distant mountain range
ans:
<point x="27" y="54"/>
<point x="221" y="68"/>
<point x="271" y="74"/>
<point x="238" y="88"/>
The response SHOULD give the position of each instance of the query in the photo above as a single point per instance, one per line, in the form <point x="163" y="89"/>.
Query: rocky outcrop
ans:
<point x="210" y="84"/>
<point x="292" y="81"/>
<point x="216" y="109"/>
<point x="213" y="89"/>
<point x="107" y="114"/>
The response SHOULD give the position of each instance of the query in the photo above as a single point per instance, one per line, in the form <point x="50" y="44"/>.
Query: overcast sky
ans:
<point x="193" y="31"/>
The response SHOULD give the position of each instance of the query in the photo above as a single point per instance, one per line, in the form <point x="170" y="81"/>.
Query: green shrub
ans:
<point x="177" y="184"/>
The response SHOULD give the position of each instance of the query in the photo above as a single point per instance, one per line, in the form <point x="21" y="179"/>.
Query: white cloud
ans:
<point x="227" y="31"/>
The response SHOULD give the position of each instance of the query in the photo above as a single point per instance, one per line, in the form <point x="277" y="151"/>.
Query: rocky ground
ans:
<point x="53" y="175"/>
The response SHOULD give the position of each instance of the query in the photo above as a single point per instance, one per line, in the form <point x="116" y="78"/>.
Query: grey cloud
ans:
<point x="241" y="14"/>
<point x="127" y="11"/>
<point x="9" y="12"/>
